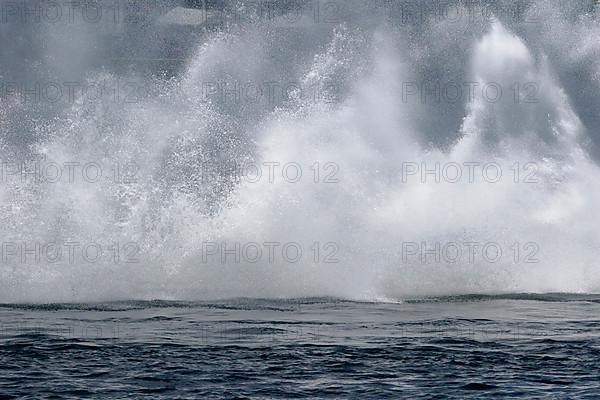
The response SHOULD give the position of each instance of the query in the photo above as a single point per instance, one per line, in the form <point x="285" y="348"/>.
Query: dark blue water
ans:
<point x="518" y="346"/>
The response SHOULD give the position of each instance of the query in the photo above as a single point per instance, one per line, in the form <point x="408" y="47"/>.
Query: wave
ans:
<point x="368" y="139"/>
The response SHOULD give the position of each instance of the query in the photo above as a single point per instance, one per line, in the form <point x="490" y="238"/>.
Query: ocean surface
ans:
<point x="513" y="346"/>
